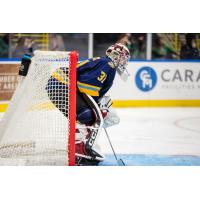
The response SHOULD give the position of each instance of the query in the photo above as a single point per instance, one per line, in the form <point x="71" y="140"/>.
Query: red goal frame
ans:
<point x="73" y="60"/>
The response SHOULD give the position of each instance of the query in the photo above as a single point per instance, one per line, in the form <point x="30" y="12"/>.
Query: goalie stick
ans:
<point x="106" y="106"/>
<point x="120" y="162"/>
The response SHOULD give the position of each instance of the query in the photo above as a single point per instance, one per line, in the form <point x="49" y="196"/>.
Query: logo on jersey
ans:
<point x="146" y="79"/>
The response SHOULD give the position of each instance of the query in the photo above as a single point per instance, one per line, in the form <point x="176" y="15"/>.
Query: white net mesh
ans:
<point x="34" y="130"/>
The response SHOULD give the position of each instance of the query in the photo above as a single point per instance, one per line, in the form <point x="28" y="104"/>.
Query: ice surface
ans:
<point x="166" y="131"/>
<point x="154" y="136"/>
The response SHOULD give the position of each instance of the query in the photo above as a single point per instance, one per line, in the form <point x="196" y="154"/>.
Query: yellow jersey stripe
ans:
<point x="88" y="86"/>
<point x="89" y="92"/>
<point x="96" y="58"/>
<point x="82" y="63"/>
<point x="59" y="78"/>
<point x="63" y="73"/>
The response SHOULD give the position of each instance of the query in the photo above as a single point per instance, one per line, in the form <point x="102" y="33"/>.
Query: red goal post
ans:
<point x="72" y="108"/>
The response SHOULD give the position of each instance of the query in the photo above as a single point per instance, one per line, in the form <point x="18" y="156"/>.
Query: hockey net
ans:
<point x="33" y="130"/>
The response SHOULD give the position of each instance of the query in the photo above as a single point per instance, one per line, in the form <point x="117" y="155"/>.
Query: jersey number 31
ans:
<point x="102" y="77"/>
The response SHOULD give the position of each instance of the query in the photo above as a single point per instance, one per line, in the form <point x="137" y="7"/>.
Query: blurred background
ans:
<point x="156" y="46"/>
<point x="175" y="81"/>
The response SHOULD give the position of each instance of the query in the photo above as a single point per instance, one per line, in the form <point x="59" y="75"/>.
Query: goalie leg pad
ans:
<point x="86" y="146"/>
<point x="86" y="151"/>
<point x="83" y="157"/>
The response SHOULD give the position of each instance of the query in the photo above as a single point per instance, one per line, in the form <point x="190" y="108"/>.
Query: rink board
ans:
<point x="157" y="84"/>
<point x="150" y="84"/>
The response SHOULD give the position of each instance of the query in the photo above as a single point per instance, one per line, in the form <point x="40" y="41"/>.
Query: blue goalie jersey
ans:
<point x="94" y="76"/>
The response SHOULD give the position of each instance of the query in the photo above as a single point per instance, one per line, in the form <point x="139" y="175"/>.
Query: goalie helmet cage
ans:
<point x="38" y="127"/>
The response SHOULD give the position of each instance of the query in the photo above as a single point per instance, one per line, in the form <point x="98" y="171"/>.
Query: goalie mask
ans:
<point x="120" y="55"/>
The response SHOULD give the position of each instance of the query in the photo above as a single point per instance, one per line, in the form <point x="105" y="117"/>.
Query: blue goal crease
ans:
<point x="152" y="160"/>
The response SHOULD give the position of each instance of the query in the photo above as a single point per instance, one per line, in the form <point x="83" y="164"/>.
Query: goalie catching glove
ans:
<point x="109" y="114"/>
